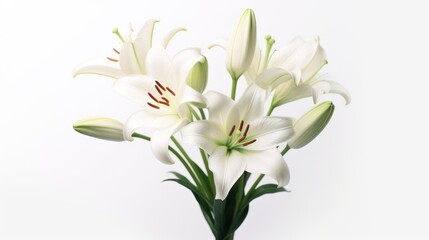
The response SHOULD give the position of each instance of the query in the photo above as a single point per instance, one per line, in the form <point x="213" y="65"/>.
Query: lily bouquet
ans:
<point x="236" y="136"/>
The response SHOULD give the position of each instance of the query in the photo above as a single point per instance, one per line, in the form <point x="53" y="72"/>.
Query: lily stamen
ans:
<point x="116" y="51"/>
<point x="245" y="134"/>
<point x="112" y="59"/>
<point x="152" y="105"/>
<point x="157" y="89"/>
<point x="153" y="98"/>
<point x="248" y="143"/>
<point x="160" y="85"/>
<point x="232" y="130"/>
<point x="241" y="125"/>
<point x="171" y="91"/>
<point x="165" y="99"/>
<point x="165" y="103"/>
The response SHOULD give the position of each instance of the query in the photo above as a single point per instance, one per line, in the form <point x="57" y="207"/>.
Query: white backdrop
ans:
<point x="365" y="177"/>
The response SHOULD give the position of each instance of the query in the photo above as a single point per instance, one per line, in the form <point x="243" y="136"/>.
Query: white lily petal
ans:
<point x="269" y="162"/>
<point x="288" y="92"/>
<point x="326" y="86"/>
<point x="219" y="106"/>
<point x="193" y="97"/>
<point x="185" y="60"/>
<point x="159" y="65"/>
<point x="205" y="134"/>
<point x="253" y="70"/>
<point x="296" y="54"/>
<point x="227" y="167"/>
<point x="146" y="32"/>
<point x="128" y="60"/>
<point x="319" y="59"/>
<point x="269" y="132"/>
<point x="272" y="78"/>
<point x="170" y="34"/>
<point x="251" y="104"/>
<point x="148" y="119"/>
<point x="160" y="140"/>
<point x="222" y="43"/>
<point x="100" y="67"/>
<point x="135" y="87"/>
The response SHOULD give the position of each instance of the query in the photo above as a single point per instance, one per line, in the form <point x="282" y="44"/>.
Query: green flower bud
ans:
<point x="103" y="128"/>
<point x="197" y="77"/>
<point x="311" y="124"/>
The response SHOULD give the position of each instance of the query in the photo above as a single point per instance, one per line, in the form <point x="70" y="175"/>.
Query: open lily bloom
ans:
<point x="304" y="58"/>
<point x="299" y="60"/>
<point x="131" y="57"/>
<point x="238" y="138"/>
<point x="164" y="96"/>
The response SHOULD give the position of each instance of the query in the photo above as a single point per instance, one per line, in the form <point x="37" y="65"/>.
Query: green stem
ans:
<point x="190" y="161"/>
<point x="234" y="88"/>
<point x="285" y="150"/>
<point x="255" y="184"/>
<point x="195" y="114"/>
<point x="203" y="115"/>
<point x="138" y="135"/>
<point x="177" y="154"/>
<point x="209" y="173"/>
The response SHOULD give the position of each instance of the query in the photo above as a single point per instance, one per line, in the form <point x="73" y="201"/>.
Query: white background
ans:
<point x="365" y="177"/>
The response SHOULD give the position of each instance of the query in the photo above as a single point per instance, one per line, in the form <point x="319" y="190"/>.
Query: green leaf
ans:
<point x="204" y="180"/>
<point x="205" y="205"/>
<point x="260" y="191"/>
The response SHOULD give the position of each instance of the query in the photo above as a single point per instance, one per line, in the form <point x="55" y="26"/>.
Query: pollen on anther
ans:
<point x="245" y="131"/>
<point x="165" y="103"/>
<point x="153" y="98"/>
<point x="171" y="91"/>
<point x="116" y="51"/>
<point x="165" y="99"/>
<point x="160" y="85"/>
<point x="157" y="89"/>
<point x="232" y="130"/>
<point x="112" y="59"/>
<point x="248" y="143"/>
<point x="154" y="106"/>
<point x="241" y="125"/>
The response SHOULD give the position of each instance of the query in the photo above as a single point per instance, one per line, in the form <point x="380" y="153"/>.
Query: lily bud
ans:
<point x="311" y="124"/>
<point x="103" y="128"/>
<point x="197" y="77"/>
<point x="241" y="48"/>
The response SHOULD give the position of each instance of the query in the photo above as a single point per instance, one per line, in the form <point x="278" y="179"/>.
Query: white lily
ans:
<point x="301" y="59"/>
<point x="164" y="96"/>
<point x="131" y="57"/>
<point x="238" y="138"/>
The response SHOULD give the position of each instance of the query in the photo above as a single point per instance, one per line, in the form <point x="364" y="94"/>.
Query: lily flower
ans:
<point x="130" y="58"/>
<point x="163" y="95"/>
<point x="300" y="60"/>
<point x="238" y="138"/>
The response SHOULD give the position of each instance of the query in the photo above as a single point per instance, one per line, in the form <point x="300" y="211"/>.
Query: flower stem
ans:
<point x="234" y="88"/>
<point x="203" y="115"/>
<point x="209" y="172"/>
<point x="285" y="150"/>
<point x="177" y="154"/>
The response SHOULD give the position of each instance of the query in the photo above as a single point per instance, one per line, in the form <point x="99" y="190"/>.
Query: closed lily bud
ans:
<point x="311" y="124"/>
<point x="197" y="77"/>
<point x="103" y="128"/>
<point x="241" y="47"/>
